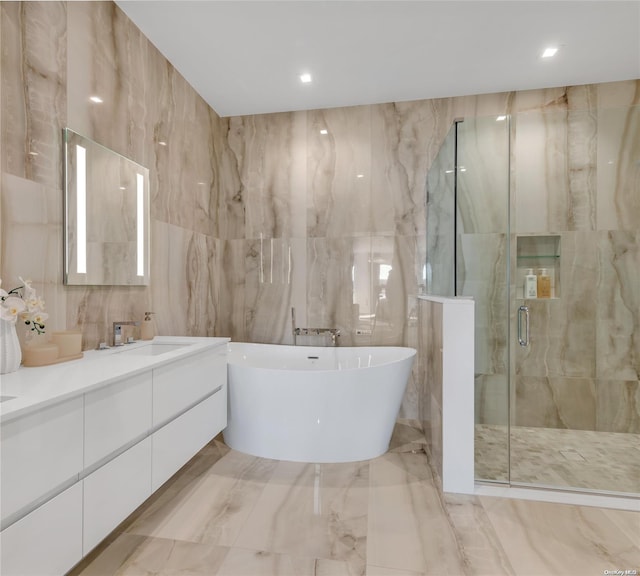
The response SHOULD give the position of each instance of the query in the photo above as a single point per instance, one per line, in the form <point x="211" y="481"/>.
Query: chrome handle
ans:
<point x="523" y="342"/>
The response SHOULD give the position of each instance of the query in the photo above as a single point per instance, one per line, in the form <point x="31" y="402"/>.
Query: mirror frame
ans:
<point x="106" y="226"/>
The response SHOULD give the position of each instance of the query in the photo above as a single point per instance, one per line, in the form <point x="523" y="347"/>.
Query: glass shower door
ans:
<point x="482" y="272"/>
<point x="575" y="419"/>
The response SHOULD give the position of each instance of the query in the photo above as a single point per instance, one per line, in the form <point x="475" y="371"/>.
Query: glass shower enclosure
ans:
<point x="548" y="201"/>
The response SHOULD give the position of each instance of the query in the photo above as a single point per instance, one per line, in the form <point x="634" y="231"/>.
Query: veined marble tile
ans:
<point x="555" y="402"/>
<point x="32" y="237"/>
<point x="541" y="538"/>
<point x="312" y="510"/>
<point x="231" y="303"/>
<point x="481" y="273"/>
<point x="339" y="200"/>
<point x="211" y="509"/>
<point x="480" y="545"/>
<point x="241" y="562"/>
<point x="617" y="305"/>
<point x="399" y="139"/>
<point x="392" y="276"/>
<point x="272" y="162"/>
<point x="231" y="203"/>
<point x="169" y="278"/>
<point x="330" y="288"/>
<point x="563" y="331"/>
<point x="618" y="406"/>
<point x="615" y="94"/>
<point x="618" y="170"/>
<point x="408" y="528"/>
<point x="491" y="399"/>
<point x="441" y="241"/>
<point x="275" y="274"/>
<point x="136" y="555"/>
<point x="555" y="160"/>
<point x="382" y="571"/>
<point x="34" y="75"/>
<point x="628" y="522"/>
<point x="483" y="176"/>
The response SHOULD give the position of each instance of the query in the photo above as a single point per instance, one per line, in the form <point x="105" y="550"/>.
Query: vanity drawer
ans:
<point x="46" y="541"/>
<point x="180" y="384"/>
<point x="41" y="452"/>
<point x="115" y="416"/>
<point x="112" y="492"/>
<point x="177" y="442"/>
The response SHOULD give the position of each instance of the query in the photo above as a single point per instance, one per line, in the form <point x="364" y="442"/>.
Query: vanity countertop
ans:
<point x="32" y="389"/>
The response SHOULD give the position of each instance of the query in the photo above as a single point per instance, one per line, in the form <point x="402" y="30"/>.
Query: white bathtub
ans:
<point x="309" y="404"/>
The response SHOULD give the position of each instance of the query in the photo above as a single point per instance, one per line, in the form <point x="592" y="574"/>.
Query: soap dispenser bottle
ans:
<point x="530" y="284"/>
<point x="147" y="330"/>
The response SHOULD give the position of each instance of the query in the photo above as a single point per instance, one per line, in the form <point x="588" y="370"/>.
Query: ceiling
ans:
<point x="245" y="57"/>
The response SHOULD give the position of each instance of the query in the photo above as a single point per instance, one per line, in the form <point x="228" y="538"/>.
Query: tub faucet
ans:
<point x="117" y="331"/>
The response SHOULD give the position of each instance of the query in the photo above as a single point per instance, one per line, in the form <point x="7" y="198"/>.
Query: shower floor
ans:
<point x="607" y="461"/>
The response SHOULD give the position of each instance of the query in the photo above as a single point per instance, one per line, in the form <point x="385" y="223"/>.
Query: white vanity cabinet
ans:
<point x="192" y="397"/>
<point x="41" y="455"/>
<point x="76" y="467"/>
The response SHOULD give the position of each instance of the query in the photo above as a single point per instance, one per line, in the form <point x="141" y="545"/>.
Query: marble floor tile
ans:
<point x="211" y="508"/>
<point x="478" y="541"/>
<point x="382" y="571"/>
<point x="408" y="527"/>
<point x="243" y="562"/>
<point x="548" y="539"/>
<point x="312" y="510"/>
<point x="228" y="513"/>
<point x="131" y="555"/>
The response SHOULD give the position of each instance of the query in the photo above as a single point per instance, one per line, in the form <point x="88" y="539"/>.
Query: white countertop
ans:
<point x="36" y="388"/>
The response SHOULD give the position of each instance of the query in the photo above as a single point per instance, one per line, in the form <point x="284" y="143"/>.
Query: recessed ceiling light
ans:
<point x="162" y="143"/>
<point x="549" y="52"/>
<point x="305" y="78"/>
<point x="501" y="118"/>
<point x="324" y="131"/>
<point x="96" y="99"/>
<point x="123" y="187"/>
<point x="360" y="176"/>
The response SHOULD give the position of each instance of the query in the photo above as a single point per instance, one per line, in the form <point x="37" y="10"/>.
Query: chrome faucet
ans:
<point x="117" y="331"/>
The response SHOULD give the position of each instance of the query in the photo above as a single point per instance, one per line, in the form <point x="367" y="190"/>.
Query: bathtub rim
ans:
<point x="411" y="353"/>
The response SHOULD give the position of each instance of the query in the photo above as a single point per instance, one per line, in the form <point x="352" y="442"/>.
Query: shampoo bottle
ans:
<point x="544" y="283"/>
<point x="147" y="330"/>
<point x="530" y="284"/>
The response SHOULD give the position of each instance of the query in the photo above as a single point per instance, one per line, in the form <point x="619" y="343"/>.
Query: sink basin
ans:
<point x="3" y="398"/>
<point x="152" y="349"/>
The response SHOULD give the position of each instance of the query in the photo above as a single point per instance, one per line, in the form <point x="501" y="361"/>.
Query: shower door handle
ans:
<point x="523" y="310"/>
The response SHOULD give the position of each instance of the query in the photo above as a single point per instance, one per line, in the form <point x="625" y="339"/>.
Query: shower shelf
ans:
<point x="536" y="252"/>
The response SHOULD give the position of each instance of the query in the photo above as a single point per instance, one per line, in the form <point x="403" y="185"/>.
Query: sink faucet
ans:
<point x="117" y="331"/>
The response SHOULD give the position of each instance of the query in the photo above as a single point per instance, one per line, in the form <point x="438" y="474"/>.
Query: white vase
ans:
<point x="10" y="352"/>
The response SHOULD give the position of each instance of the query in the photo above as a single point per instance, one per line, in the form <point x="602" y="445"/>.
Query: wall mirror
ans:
<point x="106" y="212"/>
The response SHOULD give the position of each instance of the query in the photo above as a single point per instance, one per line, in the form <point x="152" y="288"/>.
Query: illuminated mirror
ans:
<point x="106" y="216"/>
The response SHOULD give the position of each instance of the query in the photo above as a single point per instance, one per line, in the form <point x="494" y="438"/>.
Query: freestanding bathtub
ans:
<point x="309" y="404"/>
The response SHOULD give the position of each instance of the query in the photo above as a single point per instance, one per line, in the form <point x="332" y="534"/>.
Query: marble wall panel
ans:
<point x="563" y="331"/>
<point x="440" y="244"/>
<point x="615" y="94"/>
<point x="618" y="406"/>
<point x="272" y="160"/>
<point x="555" y="402"/>
<point x="492" y="399"/>
<point x="275" y="272"/>
<point x="617" y="305"/>
<point x="482" y="275"/>
<point x="400" y="136"/>
<point x="231" y="304"/>
<point x="339" y="177"/>
<point x="483" y="175"/>
<point x="618" y="174"/>
<point x="230" y="217"/>
<point x="34" y="69"/>
<point x="330" y="287"/>
<point x="31" y="245"/>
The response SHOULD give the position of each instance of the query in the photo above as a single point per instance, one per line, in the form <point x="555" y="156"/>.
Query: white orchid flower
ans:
<point x="11" y="307"/>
